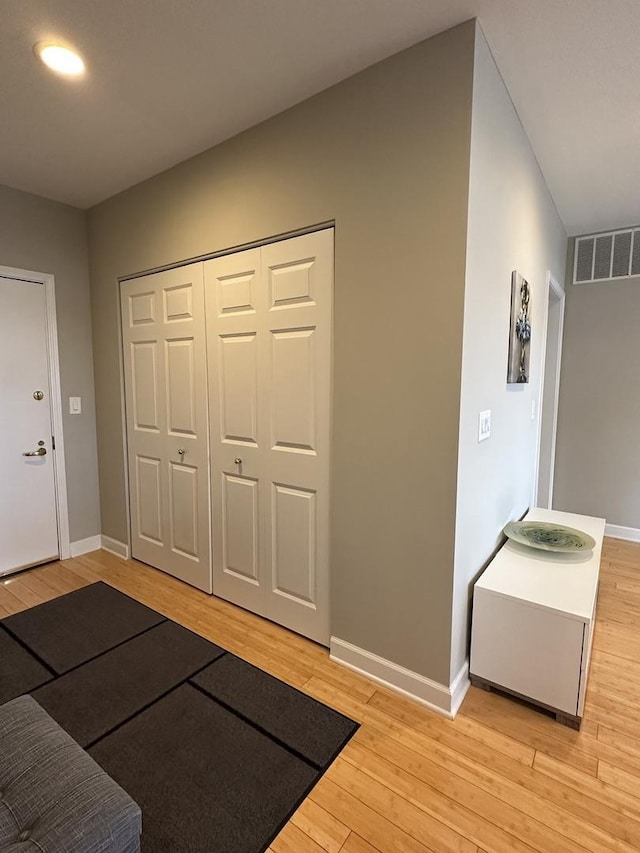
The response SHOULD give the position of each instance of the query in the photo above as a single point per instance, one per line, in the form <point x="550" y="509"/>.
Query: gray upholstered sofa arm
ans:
<point x="54" y="798"/>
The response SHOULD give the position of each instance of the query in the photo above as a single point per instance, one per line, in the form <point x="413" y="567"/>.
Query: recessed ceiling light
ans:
<point x="60" y="59"/>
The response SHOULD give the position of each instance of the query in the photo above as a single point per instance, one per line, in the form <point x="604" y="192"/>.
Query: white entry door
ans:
<point x="28" y="516"/>
<point x="165" y="382"/>
<point x="269" y="355"/>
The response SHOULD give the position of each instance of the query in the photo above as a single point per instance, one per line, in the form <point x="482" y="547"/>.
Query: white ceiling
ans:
<point x="169" y="78"/>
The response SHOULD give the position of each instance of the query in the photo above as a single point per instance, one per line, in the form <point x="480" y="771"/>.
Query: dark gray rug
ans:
<point x="217" y="753"/>
<point x="92" y="700"/>
<point x="294" y="719"/>
<point x="76" y="627"/>
<point x="204" y="779"/>
<point x="20" y="672"/>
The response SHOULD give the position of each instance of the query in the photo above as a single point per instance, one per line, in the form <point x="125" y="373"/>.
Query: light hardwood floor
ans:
<point x="501" y="777"/>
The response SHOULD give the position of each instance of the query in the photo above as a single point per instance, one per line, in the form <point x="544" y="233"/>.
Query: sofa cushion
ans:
<point x="53" y="796"/>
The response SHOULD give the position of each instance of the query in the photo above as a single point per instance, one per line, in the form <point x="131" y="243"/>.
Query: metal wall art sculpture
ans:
<point x="520" y="330"/>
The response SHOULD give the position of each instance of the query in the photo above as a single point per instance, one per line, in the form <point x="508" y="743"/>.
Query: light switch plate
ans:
<point x="75" y="405"/>
<point x="533" y="409"/>
<point x="484" y="425"/>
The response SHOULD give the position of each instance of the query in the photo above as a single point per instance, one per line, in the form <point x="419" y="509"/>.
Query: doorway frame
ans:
<point x="552" y="285"/>
<point x="59" y="468"/>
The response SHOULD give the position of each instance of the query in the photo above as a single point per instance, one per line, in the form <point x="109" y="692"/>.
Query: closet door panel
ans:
<point x="234" y="300"/>
<point x="166" y="416"/>
<point x="295" y="381"/>
<point x="268" y="316"/>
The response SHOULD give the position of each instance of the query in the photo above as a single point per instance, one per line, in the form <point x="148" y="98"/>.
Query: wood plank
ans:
<point x="48" y="576"/>
<point x="411" y="714"/>
<point x="621" y="750"/>
<point x="294" y="840"/>
<point x="357" y="686"/>
<point x="65" y="577"/>
<point x="10" y="603"/>
<point x="377" y="829"/>
<point x="80" y="570"/>
<point x="41" y="585"/>
<point x="21" y="590"/>
<point x="355" y="844"/>
<point x="419" y="819"/>
<point x="500" y="800"/>
<point x="613" y="637"/>
<point x="420" y="810"/>
<point x="511" y="781"/>
<point x="619" y="714"/>
<point x="321" y="826"/>
<point x="617" y="802"/>
<point x="531" y="727"/>
<point x="613" y="666"/>
<point x="621" y="779"/>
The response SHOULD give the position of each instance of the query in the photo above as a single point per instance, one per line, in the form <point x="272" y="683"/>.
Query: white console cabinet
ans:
<point x="533" y="620"/>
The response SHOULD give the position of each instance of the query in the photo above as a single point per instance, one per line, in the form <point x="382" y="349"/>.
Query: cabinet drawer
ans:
<point x="536" y="653"/>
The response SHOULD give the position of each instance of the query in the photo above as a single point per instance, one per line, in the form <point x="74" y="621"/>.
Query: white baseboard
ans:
<point x="84" y="546"/>
<point x="631" y="534"/>
<point x="459" y="687"/>
<point x="114" y="547"/>
<point x="438" y="697"/>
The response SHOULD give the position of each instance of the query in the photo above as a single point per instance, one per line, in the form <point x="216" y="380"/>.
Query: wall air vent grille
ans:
<point x="584" y="259"/>
<point x="635" y="255"/>
<point x="621" y="254"/>
<point x="602" y="257"/>
<point x="602" y="262"/>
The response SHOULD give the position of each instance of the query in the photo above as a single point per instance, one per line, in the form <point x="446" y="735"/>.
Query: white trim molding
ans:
<point x="459" y="687"/>
<point x="438" y="697"/>
<point x="85" y="546"/>
<point x="559" y="294"/>
<point x="631" y="534"/>
<point x="113" y="546"/>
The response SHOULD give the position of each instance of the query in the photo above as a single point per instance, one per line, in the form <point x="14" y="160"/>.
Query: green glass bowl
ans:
<point x="548" y="536"/>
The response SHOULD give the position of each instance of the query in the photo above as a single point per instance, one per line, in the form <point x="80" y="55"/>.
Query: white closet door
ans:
<point x="235" y="299"/>
<point x="295" y="375"/>
<point x="165" y="382"/>
<point x="269" y="350"/>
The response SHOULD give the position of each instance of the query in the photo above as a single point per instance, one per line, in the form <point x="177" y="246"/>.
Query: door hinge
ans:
<point x="53" y="442"/>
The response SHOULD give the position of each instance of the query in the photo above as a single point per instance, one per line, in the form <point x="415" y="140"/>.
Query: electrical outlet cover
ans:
<point x="484" y="425"/>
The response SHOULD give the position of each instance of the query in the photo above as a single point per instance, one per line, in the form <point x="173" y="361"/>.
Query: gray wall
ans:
<point x="386" y="155"/>
<point x="598" y="445"/>
<point x="44" y="236"/>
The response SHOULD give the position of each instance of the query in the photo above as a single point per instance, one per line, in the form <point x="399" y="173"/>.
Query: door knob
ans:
<point x="182" y="451"/>
<point x="41" y="451"/>
<point x="238" y="461"/>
